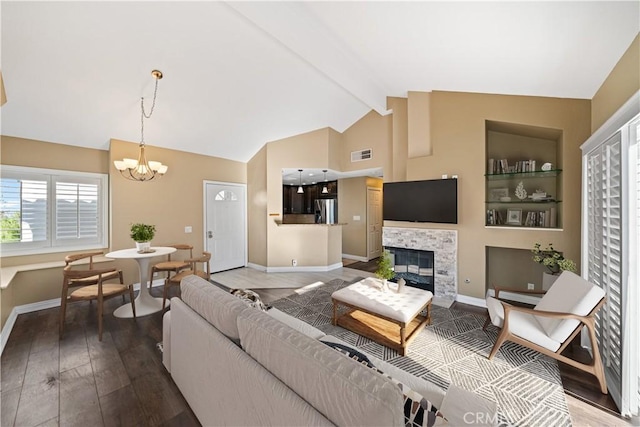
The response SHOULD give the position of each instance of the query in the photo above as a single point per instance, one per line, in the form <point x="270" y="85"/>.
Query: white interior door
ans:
<point x="225" y="225"/>
<point x="374" y="222"/>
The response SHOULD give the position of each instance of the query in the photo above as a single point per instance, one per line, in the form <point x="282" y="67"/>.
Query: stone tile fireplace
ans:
<point x="443" y="244"/>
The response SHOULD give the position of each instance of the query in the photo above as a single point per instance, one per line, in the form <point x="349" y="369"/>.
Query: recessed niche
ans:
<point x="512" y="268"/>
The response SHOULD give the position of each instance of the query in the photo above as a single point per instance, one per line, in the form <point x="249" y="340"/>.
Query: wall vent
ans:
<point x="358" y="156"/>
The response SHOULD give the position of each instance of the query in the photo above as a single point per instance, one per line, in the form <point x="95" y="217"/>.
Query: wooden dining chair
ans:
<point x="174" y="280"/>
<point x="172" y="265"/>
<point x="88" y="284"/>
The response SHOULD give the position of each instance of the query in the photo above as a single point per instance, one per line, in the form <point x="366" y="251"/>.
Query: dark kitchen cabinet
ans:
<point x="294" y="203"/>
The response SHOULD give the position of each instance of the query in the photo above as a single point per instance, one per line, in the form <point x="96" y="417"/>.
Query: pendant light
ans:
<point x="325" y="190"/>
<point x="300" y="189"/>
<point x="142" y="170"/>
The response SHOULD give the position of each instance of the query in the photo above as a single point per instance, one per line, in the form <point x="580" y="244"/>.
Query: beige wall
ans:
<point x="399" y="140"/>
<point x="352" y="197"/>
<point x="458" y="137"/>
<point x="310" y="245"/>
<point x="419" y="106"/>
<point x="41" y="285"/>
<point x="171" y="203"/>
<point x="618" y="87"/>
<point x="257" y="215"/>
<point x="371" y="131"/>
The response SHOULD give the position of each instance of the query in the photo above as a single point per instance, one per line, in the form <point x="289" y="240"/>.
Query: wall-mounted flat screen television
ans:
<point x="421" y="201"/>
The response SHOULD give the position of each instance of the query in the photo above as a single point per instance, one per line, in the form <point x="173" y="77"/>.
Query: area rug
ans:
<point x="525" y="384"/>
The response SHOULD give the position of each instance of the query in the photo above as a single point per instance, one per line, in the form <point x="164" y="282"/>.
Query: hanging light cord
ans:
<point x="145" y="115"/>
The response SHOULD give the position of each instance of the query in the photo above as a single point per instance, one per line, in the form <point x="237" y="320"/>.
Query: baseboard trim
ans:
<point x="6" y="330"/>
<point x="355" y="257"/>
<point x="22" y="309"/>
<point x="257" y="267"/>
<point x="478" y="302"/>
<point x="306" y="269"/>
<point x="43" y="305"/>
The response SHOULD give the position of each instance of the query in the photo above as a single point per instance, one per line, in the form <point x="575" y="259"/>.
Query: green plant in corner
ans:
<point x="552" y="259"/>
<point x="385" y="269"/>
<point x="142" y="232"/>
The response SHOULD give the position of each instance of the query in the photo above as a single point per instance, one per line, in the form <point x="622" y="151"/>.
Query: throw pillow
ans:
<point x="351" y="353"/>
<point x="250" y="297"/>
<point x="418" y="411"/>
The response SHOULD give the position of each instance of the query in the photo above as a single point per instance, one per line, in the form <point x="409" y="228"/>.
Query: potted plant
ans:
<point x="554" y="261"/>
<point x="385" y="269"/>
<point x="142" y="235"/>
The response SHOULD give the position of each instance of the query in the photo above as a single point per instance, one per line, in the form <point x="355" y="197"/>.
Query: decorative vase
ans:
<point x="521" y="193"/>
<point x="547" y="280"/>
<point x="401" y="283"/>
<point x="385" y="285"/>
<point x="143" y="246"/>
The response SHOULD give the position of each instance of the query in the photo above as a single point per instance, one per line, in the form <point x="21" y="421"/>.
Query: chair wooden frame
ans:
<point x="595" y="367"/>
<point x="90" y="281"/>
<point x="170" y="266"/>
<point x="177" y="278"/>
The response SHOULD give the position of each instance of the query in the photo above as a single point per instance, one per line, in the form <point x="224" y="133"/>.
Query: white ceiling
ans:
<point x="240" y="74"/>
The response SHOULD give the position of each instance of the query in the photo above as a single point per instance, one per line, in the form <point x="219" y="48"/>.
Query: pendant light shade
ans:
<point x="300" y="189"/>
<point x="325" y="190"/>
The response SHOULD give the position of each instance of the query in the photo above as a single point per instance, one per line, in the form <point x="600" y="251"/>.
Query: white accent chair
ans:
<point x="569" y="305"/>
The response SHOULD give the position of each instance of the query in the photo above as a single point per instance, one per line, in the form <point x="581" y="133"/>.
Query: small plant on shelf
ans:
<point x="385" y="269"/>
<point x="552" y="259"/>
<point x="141" y="233"/>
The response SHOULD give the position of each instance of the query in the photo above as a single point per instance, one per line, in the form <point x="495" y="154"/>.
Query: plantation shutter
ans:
<point x="77" y="210"/>
<point x="611" y="247"/>
<point x="45" y="210"/>
<point x="23" y="209"/>
<point x="605" y="248"/>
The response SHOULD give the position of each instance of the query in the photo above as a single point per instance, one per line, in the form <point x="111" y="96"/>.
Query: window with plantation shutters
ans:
<point x="611" y="247"/>
<point x="605" y="248"/>
<point x="51" y="210"/>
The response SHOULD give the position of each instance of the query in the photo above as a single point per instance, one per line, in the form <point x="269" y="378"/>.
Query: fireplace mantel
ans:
<point x="444" y="243"/>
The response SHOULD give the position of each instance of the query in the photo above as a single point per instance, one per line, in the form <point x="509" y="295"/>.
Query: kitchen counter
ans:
<point x="280" y="223"/>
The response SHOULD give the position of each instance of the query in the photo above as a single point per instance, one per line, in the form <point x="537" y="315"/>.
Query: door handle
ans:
<point x="210" y="234"/>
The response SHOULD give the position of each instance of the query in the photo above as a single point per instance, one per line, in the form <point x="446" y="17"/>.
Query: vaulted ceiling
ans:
<point x="240" y="74"/>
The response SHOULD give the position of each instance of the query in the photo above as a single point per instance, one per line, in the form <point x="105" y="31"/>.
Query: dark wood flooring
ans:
<point x="121" y="381"/>
<point x="81" y="381"/>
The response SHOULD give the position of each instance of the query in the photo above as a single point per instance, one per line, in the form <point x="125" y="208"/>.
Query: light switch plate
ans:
<point x="356" y="217"/>
<point x="188" y="229"/>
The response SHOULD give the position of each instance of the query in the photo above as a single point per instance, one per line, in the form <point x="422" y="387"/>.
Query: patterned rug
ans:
<point x="453" y="350"/>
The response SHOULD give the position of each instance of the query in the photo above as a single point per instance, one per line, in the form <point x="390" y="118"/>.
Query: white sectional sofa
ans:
<point x="238" y="365"/>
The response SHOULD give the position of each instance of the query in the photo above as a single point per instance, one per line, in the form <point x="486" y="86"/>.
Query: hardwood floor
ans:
<point x="81" y="381"/>
<point x="121" y="381"/>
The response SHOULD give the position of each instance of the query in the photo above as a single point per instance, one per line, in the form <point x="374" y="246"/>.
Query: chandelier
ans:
<point x="141" y="169"/>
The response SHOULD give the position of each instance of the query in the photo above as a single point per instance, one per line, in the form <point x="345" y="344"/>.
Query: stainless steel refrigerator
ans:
<point x="326" y="211"/>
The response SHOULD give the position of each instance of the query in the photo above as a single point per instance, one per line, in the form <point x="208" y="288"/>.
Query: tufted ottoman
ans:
<point x="386" y="317"/>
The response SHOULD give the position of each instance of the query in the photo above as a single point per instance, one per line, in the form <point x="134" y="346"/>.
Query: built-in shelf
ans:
<point x="523" y="175"/>
<point x="522" y="202"/>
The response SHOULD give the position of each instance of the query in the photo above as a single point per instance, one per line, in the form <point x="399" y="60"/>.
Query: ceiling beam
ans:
<point x="294" y="26"/>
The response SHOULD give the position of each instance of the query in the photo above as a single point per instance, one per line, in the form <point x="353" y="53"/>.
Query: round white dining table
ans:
<point x="145" y="302"/>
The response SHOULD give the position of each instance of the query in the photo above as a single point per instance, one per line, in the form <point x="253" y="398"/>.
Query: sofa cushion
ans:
<point x="343" y="391"/>
<point x="418" y="411"/>
<point x="296" y="324"/>
<point x="427" y="389"/>
<point x="217" y="306"/>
